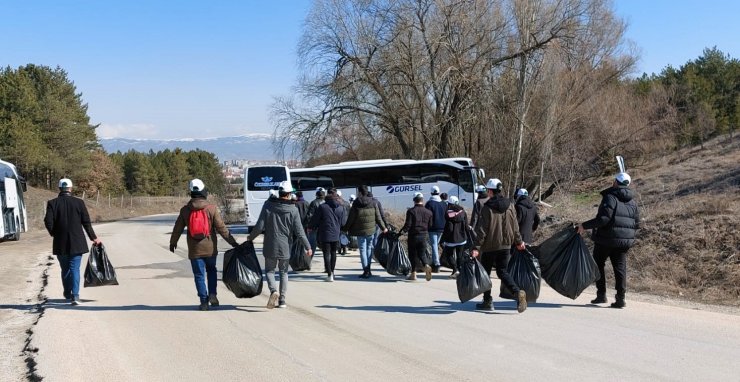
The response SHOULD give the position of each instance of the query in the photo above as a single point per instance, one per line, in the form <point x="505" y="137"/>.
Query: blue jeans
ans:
<point x="201" y="267"/>
<point x="366" y="250"/>
<point x="70" y="274"/>
<point x="312" y="236"/>
<point x="434" y="242"/>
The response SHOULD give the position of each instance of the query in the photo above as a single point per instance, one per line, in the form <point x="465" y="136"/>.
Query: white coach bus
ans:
<point x="13" y="217"/>
<point x="258" y="181"/>
<point x="394" y="182"/>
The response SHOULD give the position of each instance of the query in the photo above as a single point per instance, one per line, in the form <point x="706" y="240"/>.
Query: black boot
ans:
<point x="600" y="299"/>
<point x="619" y="304"/>
<point x="369" y="273"/>
<point x="364" y="273"/>
<point x="487" y="304"/>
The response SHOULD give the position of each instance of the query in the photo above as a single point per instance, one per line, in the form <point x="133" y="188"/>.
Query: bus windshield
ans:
<point x="265" y="178"/>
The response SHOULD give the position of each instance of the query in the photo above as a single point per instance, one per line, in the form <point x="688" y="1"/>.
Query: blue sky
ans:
<point x="179" y="69"/>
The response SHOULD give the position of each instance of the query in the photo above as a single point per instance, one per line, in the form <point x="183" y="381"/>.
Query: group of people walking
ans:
<point x="497" y="226"/>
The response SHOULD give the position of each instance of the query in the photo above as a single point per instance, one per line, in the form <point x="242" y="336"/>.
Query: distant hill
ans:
<point x="249" y="146"/>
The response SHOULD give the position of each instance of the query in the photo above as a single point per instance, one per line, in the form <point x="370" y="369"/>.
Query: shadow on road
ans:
<point x="449" y="307"/>
<point x="63" y="305"/>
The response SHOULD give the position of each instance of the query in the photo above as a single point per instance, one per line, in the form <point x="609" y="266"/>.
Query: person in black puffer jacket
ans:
<point x="328" y="221"/>
<point x="615" y="226"/>
<point x="526" y="215"/>
<point x="453" y="237"/>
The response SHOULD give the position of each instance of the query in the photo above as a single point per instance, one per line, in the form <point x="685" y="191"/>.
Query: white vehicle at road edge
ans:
<point x="13" y="216"/>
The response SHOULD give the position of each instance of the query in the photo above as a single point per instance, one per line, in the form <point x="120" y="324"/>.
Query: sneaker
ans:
<point x="76" y="300"/>
<point x="282" y="304"/>
<point x="428" y="273"/>
<point x="521" y="303"/>
<point x="411" y="276"/>
<point x="329" y="278"/>
<point x="486" y="305"/>
<point x="619" y="304"/>
<point x="213" y="300"/>
<point x="203" y="306"/>
<point x="599" y="300"/>
<point x="453" y="275"/>
<point x="272" y="300"/>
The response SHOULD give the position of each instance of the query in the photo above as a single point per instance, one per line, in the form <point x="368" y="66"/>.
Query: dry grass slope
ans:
<point x="690" y="238"/>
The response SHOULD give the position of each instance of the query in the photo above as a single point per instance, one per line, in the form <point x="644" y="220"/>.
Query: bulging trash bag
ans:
<point x="99" y="271"/>
<point x="398" y="260"/>
<point x="242" y="273"/>
<point x="382" y="249"/>
<point x="472" y="279"/>
<point x="566" y="263"/>
<point x="525" y="270"/>
<point x="299" y="261"/>
<point x="353" y="242"/>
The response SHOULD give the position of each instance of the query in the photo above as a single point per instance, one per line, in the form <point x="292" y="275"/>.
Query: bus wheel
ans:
<point x="17" y="235"/>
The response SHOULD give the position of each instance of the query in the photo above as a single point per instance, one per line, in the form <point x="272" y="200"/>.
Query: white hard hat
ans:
<point x="339" y="192"/>
<point x="494" y="184"/>
<point x="285" y="186"/>
<point x="454" y="200"/>
<point x="480" y="188"/>
<point x="196" y="185"/>
<point x="65" y="183"/>
<point x="273" y="193"/>
<point x="352" y="197"/>
<point x="435" y="190"/>
<point x="623" y="178"/>
<point x="522" y="192"/>
<point x="418" y="195"/>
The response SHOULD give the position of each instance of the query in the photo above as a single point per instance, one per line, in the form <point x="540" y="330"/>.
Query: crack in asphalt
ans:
<point x="29" y="351"/>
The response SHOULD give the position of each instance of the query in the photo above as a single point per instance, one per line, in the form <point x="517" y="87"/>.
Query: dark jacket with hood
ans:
<point x="206" y="247"/>
<point x="364" y="216"/>
<point x="302" y="206"/>
<point x="455" y="226"/>
<point x="418" y="221"/>
<point x="477" y="207"/>
<point x="528" y="218"/>
<point x="65" y="218"/>
<point x="312" y="207"/>
<point x="618" y="219"/>
<point x="328" y="220"/>
<point x="281" y="223"/>
<point x="497" y="228"/>
<point x="438" y="208"/>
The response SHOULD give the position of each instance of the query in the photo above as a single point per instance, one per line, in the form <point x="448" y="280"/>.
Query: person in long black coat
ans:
<point x="65" y="219"/>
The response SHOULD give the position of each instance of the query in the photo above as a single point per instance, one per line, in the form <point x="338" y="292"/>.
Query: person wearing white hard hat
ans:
<point x="66" y="218"/>
<point x="481" y="199"/>
<point x="614" y="229"/>
<point x="496" y="233"/>
<point x="454" y="236"/>
<point x="438" y="209"/>
<point x="417" y="224"/>
<point x="281" y="224"/>
<point x="527" y="215"/>
<point x="203" y="221"/>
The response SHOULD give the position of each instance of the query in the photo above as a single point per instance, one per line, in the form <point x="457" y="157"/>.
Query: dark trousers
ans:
<point x="501" y="260"/>
<point x="455" y="254"/>
<point x="417" y="251"/>
<point x="618" y="257"/>
<point x="330" y="255"/>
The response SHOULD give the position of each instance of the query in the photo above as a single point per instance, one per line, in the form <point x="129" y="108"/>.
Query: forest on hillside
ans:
<point x="533" y="91"/>
<point x="46" y="132"/>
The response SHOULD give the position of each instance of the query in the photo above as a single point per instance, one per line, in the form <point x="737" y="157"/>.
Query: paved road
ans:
<point x="147" y="329"/>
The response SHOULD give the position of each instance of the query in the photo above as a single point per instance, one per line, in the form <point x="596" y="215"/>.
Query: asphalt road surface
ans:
<point x="148" y="328"/>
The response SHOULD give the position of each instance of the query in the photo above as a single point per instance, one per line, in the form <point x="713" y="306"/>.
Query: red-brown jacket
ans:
<point x="208" y="246"/>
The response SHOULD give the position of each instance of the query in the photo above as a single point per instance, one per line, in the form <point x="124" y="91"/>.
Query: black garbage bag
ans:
<point x="382" y="249"/>
<point x="242" y="273"/>
<point x="525" y="270"/>
<point x="566" y="263"/>
<point x="353" y="243"/>
<point x="472" y="279"/>
<point x="299" y="261"/>
<point x="99" y="271"/>
<point x="398" y="260"/>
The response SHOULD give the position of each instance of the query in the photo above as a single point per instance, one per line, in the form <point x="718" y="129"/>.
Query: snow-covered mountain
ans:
<point x="249" y="146"/>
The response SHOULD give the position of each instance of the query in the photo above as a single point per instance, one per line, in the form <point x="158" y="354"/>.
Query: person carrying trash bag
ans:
<point x="497" y="231"/>
<point x="327" y="222"/>
<point x="453" y="236"/>
<point x="417" y="224"/>
<point x="65" y="219"/>
<point x="614" y="229"/>
<point x="203" y="221"/>
<point x="281" y="223"/>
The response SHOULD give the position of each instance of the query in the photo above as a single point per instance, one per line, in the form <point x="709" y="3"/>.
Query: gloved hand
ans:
<point x="173" y="247"/>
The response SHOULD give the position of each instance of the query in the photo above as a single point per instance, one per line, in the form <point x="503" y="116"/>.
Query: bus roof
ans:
<point x="386" y="162"/>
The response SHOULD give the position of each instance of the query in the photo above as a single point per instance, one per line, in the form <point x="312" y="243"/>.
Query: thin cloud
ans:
<point x="130" y="130"/>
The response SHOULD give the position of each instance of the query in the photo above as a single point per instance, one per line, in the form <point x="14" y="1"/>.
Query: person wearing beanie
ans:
<point x="66" y="218"/>
<point x="496" y="232"/>
<point x="614" y="229"/>
<point x="302" y="206"/>
<point x="417" y="224"/>
<point x="202" y="251"/>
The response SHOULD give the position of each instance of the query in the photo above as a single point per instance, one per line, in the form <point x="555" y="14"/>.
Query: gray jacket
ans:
<point x="281" y="223"/>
